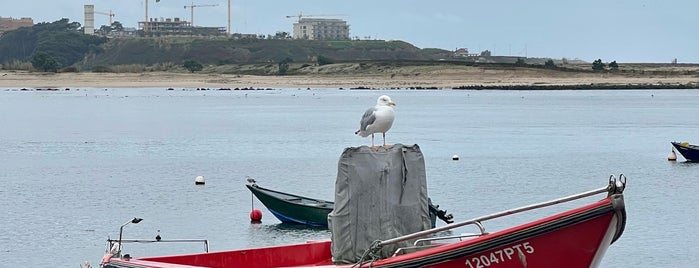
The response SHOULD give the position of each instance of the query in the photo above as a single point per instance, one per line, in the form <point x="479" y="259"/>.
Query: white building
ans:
<point x="321" y="29"/>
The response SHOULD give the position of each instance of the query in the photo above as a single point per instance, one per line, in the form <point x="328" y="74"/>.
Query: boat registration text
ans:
<point x="502" y="255"/>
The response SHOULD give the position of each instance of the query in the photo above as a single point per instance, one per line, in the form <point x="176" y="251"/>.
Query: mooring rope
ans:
<point x="374" y="247"/>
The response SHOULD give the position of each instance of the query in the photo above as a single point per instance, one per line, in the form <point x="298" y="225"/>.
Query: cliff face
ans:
<point x="228" y="51"/>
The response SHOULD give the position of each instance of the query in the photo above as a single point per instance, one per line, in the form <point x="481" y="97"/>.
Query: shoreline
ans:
<point x="459" y="79"/>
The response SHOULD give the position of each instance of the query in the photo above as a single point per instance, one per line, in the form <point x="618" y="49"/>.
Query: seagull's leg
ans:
<point x="373" y="147"/>
<point x="384" y="142"/>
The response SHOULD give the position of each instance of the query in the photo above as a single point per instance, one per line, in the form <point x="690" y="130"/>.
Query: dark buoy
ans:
<point x="255" y="216"/>
<point x="672" y="156"/>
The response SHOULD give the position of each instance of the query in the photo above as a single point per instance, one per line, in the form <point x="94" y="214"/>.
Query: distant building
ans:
<point x="89" y="26"/>
<point x="176" y="26"/>
<point x="463" y="53"/>
<point x="9" y="24"/>
<point x="166" y="26"/>
<point x="321" y="29"/>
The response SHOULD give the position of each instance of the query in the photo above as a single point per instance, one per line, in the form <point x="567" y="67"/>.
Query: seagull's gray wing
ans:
<point x="367" y="119"/>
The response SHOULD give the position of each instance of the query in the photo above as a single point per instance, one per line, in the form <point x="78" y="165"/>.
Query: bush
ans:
<point x="70" y="69"/>
<point x="598" y="65"/>
<point x="614" y="65"/>
<point x="549" y="64"/>
<point x="128" y="68"/>
<point x="17" y="65"/>
<point x="192" y="66"/>
<point x="101" y="69"/>
<point x="323" y="60"/>
<point x="45" y="62"/>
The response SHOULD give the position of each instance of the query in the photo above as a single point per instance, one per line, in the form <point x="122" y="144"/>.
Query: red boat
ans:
<point x="577" y="237"/>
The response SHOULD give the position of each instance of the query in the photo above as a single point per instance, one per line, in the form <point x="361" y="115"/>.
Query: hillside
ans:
<point x="221" y="51"/>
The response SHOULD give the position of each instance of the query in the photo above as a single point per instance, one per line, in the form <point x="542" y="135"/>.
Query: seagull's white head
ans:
<point x="385" y="100"/>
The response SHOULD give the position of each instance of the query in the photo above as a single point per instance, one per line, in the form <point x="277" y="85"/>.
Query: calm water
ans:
<point x="77" y="164"/>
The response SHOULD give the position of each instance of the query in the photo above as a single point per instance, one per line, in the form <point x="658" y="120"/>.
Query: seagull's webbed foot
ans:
<point x="387" y="146"/>
<point x="375" y="148"/>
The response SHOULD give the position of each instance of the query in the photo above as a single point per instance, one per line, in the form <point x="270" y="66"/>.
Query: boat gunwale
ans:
<point x="255" y="187"/>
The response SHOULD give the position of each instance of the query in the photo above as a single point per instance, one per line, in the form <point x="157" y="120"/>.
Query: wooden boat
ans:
<point x="291" y="208"/>
<point x="577" y="237"/>
<point x="688" y="151"/>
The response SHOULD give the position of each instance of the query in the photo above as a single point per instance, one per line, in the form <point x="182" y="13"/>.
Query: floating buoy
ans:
<point x="255" y="216"/>
<point x="455" y="157"/>
<point x="199" y="180"/>
<point x="672" y="156"/>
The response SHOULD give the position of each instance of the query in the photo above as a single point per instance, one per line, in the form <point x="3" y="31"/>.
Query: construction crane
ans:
<point x="300" y="15"/>
<point x="110" y="14"/>
<point x="192" y="6"/>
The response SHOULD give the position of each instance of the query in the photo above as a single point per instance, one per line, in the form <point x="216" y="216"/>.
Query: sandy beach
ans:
<point x="434" y="78"/>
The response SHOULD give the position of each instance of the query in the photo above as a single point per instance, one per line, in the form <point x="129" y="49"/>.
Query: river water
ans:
<point x="77" y="164"/>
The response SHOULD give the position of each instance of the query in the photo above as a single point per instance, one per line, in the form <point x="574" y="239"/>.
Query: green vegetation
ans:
<point x="614" y="66"/>
<point x="192" y="66"/>
<point x="323" y="60"/>
<point x="43" y="61"/>
<point x="549" y="64"/>
<point x="284" y="66"/>
<point x="61" y="40"/>
<point x="598" y="65"/>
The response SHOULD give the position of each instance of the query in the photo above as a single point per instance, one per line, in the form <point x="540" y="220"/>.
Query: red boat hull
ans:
<point x="574" y="238"/>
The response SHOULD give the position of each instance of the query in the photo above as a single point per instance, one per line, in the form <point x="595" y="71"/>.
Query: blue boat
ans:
<point x="688" y="151"/>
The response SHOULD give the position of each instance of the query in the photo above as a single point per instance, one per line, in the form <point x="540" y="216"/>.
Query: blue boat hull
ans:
<point x="688" y="151"/>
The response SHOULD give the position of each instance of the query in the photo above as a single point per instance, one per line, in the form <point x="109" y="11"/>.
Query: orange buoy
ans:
<point x="255" y="216"/>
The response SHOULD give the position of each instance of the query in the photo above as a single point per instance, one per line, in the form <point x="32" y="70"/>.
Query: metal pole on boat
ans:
<point x="121" y="231"/>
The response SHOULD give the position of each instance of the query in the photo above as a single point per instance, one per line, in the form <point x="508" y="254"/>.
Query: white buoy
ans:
<point x="672" y="156"/>
<point x="455" y="157"/>
<point x="199" y="180"/>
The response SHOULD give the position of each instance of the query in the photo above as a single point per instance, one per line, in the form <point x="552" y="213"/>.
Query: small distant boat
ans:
<point x="688" y="151"/>
<point x="291" y="208"/>
<point x="577" y="237"/>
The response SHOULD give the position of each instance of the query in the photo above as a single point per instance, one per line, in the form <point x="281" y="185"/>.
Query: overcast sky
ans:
<point x="625" y="31"/>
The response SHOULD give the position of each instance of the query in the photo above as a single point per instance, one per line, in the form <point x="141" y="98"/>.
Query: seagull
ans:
<point x="377" y="119"/>
<point x="251" y="180"/>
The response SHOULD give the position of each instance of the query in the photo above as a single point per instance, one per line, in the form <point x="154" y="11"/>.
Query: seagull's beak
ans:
<point x="390" y="103"/>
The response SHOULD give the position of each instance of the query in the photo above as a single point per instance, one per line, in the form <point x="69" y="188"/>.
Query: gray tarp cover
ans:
<point x="378" y="195"/>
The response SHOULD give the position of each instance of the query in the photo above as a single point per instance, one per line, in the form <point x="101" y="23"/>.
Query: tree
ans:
<point x="104" y="29"/>
<point x="549" y="64"/>
<point x="193" y="66"/>
<point x="282" y="35"/>
<point x="520" y="62"/>
<point x="614" y="65"/>
<point x="284" y="65"/>
<point x="598" y="65"/>
<point x="45" y="62"/>
<point x="60" y="39"/>
<point x="117" y="26"/>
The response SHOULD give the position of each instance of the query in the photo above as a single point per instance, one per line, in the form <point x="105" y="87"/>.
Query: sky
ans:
<point x="626" y="31"/>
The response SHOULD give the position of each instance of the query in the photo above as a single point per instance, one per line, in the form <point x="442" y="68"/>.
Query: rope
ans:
<point x="374" y="247"/>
